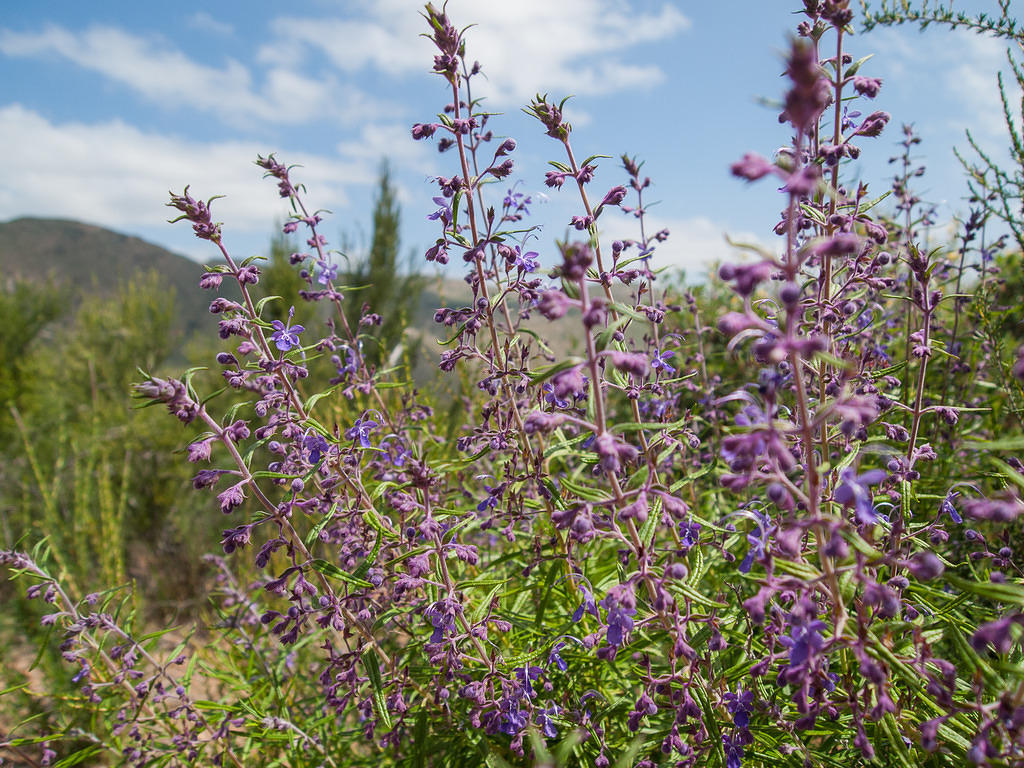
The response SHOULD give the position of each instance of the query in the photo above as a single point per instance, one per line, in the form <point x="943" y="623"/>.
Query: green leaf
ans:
<point x="372" y="518"/>
<point x="331" y="571"/>
<point x="481" y="610"/>
<point x="1011" y="592"/>
<point x="895" y="739"/>
<point x="651" y="523"/>
<point x="1008" y="472"/>
<point x="853" y="68"/>
<point x="379" y="702"/>
<point x="1005" y="444"/>
<point x="316" y="398"/>
<point x="362" y="569"/>
<point x="321" y="524"/>
<point x="263" y="301"/>
<point x="546" y="373"/>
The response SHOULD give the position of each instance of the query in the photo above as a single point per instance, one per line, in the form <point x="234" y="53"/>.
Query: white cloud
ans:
<point x="169" y="78"/>
<point x="571" y="46"/>
<point x="957" y="69"/>
<point x="204" y="22"/>
<point x="695" y="243"/>
<point x="115" y="175"/>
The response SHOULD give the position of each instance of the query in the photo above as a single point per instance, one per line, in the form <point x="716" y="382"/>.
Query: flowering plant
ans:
<point x="683" y="546"/>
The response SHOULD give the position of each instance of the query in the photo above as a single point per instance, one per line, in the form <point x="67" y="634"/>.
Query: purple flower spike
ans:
<point x="444" y="212"/>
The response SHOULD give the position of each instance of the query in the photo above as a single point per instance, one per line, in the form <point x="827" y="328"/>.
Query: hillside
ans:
<point x="93" y="260"/>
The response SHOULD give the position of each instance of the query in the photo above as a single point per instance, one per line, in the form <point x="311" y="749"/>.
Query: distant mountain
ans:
<point x="95" y="261"/>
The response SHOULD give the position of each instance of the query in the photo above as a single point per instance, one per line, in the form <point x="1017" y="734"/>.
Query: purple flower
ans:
<point x="804" y="637"/>
<point x="444" y="213"/>
<point x="325" y="272"/>
<point x="631" y="362"/>
<point x="659" y="362"/>
<point x="925" y="566"/>
<point x="517" y="202"/>
<point x="873" y="124"/>
<point x="854" y="491"/>
<point x="740" y="705"/>
<point x="286" y="337"/>
<point x="555" y="657"/>
<point x="549" y="396"/>
<point x="733" y="744"/>
<point x="587" y="606"/>
<point x="526" y="675"/>
<point x="997" y="633"/>
<point x="615" y="196"/>
<point x="621" y="606"/>
<point x="946" y="507"/>
<point x="315" y="445"/>
<point x="83" y="672"/>
<point x="527" y="261"/>
<point x="200" y="450"/>
<point x="398" y="454"/>
<point x="752" y="167"/>
<point x="547" y="725"/>
<point x="758" y="539"/>
<point x="423" y="130"/>
<point x="689" y="533"/>
<point x="553" y="304"/>
<point x="513" y="719"/>
<point x="441" y="616"/>
<point x="1001" y="509"/>
<point x="867" y="86"/>
<point x="48" y="755"/>
<point x="568" y="383"/>
<point x="231" y="498"/>
<point x="492" y="498"/>
<point x="848" y="118"/>
<point x="361" y="430"/>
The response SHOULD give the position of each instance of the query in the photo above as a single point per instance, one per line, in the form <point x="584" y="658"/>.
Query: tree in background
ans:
<point x="382" y="291"/>
<point x="25" y="310"/>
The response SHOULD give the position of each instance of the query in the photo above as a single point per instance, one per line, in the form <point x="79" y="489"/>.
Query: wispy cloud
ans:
<point x="957" y="69"/>
<point x="164" y="75"/>
<point x="204" y="22"/>
<point x="583" y="47"/>
<point x="115" y="175"/>
<point x="695" y="243"/>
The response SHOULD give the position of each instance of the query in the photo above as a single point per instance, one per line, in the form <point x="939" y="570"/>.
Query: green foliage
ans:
<point x="80" y="465"/>
<point x="26" y="309"/>
<point x="894" y="12"/>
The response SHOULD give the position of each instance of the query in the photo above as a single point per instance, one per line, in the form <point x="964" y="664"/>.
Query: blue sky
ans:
<point x="106" y="107"/>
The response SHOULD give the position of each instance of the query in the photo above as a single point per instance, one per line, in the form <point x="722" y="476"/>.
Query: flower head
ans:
<point x="659" y="362"/>
<point x="286" y="337"/>
<point x="855" y="491"/>
<point x="361" y="429"/>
